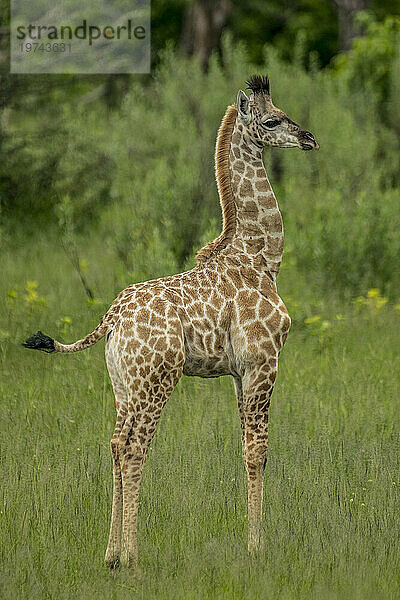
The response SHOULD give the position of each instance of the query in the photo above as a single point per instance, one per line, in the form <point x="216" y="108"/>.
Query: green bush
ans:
<point x="338" y="204"/>
<point x="145" y="171"/>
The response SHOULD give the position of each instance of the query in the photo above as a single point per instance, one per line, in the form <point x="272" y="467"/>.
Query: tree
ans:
<point x="348" y="29"/>
<point x="204" y="22"/>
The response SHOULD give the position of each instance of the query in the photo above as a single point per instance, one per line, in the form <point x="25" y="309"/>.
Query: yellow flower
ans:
<point x="373" y="293"/>
<point x="32" y="297"/>
<point x="31" y="285"/>
<point x="31" y="292"/>
<point x="66" y="320"/>
<point x="310" y="320"/>
<point x="397" y="307"/>
<point x="381" y="302"/>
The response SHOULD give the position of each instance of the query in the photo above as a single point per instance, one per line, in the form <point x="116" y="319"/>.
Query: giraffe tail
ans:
<point x="40" y="341"/>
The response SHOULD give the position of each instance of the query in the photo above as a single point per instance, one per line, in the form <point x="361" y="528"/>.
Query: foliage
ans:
<point x="277" y="22"/>
<point x="370" y="64"/>
<point x="338" y="204"/>
<point x="140" y="177"/>
<point x="313" y="21"/>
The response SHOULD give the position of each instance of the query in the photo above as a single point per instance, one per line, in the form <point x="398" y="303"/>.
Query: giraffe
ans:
<point x="223" y="317"/>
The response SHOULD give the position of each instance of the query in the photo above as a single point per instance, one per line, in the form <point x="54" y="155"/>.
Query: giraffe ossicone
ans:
<point x="223" y="317"/>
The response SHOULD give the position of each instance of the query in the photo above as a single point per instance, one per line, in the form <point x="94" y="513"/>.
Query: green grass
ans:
<point x="331" y="506"/>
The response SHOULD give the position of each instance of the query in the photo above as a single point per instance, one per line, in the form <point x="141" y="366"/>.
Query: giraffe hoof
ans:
<point x="112" y="561"/>
<point x="113" y="565"/>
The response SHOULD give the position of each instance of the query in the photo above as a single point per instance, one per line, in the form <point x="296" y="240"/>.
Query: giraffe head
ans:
<point x="266" y="124"/>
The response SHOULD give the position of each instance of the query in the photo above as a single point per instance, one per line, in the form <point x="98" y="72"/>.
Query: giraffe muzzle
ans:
<point x="308" y="141"/>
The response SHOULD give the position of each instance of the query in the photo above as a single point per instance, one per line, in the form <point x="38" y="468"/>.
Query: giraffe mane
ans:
<point x="258" y="83"/>
<point x="223" y="178"/>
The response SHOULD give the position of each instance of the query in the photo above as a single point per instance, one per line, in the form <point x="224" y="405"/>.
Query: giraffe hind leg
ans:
<point x="114" y="546"/>
<point x="150" y="370"/>
<point x="134" y="442"/>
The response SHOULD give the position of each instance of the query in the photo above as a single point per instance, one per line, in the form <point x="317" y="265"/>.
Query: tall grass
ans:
<point x="332" y="486"/>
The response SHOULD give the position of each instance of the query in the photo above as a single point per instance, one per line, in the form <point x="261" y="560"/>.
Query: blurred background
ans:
<point x="114" y="174"/>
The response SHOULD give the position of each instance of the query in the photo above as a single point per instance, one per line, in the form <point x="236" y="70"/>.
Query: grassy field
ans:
<point x="331" y="510"/>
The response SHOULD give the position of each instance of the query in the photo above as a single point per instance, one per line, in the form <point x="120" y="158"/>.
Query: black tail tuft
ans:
<point x="39" y="341"/>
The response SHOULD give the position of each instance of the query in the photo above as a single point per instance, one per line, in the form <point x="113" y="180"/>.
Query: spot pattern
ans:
<point x="224" y="317"/>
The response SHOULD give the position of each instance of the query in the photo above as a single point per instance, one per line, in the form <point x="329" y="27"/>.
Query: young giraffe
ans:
<point x="224" y="317"/>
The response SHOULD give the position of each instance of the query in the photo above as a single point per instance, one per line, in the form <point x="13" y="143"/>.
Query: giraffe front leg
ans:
<point x="257" y="386"/>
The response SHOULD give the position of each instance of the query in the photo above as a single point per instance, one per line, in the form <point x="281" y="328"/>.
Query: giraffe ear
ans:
<point x="243" y="107"/>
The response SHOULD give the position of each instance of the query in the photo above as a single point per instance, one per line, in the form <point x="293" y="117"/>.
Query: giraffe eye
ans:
<point x="271" y="123"/>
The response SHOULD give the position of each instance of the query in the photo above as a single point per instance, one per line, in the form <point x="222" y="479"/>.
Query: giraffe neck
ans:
<point x="259" y="227"/>
<point x="252" y="223"/>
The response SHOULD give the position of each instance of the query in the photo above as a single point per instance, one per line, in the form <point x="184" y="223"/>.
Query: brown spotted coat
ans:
<point x="224" y="317"/>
